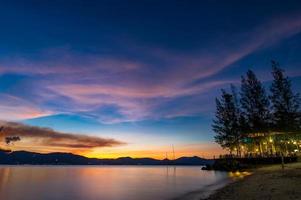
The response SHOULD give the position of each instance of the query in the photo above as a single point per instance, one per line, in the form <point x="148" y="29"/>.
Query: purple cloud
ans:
<point x="135" y="86"/>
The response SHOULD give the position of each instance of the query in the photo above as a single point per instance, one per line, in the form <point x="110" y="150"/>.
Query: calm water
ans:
<point x="103" y="182"/>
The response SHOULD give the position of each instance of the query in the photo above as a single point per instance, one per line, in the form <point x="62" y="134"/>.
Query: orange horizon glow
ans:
<point x="160" y="153"/>
<point x="208" y="150"/>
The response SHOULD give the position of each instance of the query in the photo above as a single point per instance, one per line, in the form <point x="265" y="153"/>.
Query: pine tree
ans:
<point x="285" y="103"/>
<point x="226" y="122"/>
<point x="254" y="105"/>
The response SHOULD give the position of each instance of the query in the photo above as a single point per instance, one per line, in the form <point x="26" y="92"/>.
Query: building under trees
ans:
<point x="259" y="122"/>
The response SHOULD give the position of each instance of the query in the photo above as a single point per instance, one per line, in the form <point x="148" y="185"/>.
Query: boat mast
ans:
<point x="173" y="152"/>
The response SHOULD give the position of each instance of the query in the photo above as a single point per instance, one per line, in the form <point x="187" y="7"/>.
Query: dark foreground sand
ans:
<point x="265" y="183"/>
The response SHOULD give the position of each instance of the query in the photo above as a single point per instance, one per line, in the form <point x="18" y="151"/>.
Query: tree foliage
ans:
<point x="253" y="111"/>
<point x="285" y="104"/>
<point x="226" y="123"/>
<point x="254" y="104"/>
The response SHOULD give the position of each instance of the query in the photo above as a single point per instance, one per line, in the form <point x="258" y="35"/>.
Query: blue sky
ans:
<point x="143" y="72"/>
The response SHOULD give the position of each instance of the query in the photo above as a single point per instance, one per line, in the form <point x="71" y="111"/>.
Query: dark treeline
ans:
<point x="257" y="120"/>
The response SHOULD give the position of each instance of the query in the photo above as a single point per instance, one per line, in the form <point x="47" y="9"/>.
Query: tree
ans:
<point x="254" y="105"/>
<point x="226" y="122"/>
<point x="285" y="103"/>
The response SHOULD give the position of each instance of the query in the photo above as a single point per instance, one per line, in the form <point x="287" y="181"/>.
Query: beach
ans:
<point x="270" y="182"/>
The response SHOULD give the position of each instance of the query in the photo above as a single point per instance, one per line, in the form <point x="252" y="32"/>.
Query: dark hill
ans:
<point x="31" y="158"/>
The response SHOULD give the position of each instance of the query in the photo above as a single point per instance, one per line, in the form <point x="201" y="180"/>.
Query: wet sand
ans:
<point x="204" y="192"/>
<point x="264" y="184"/>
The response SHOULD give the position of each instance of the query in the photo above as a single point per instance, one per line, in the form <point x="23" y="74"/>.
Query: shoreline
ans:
<point x="204" y="192"/>
<point x="269" y="182"/>
<point x="208" y="190"/>
<point x="266" y="182"/>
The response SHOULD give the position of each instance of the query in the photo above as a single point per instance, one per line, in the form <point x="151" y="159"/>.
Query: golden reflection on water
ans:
<point x="102" y="182"/>
<point x="4" y="174"/>
<point x="238" y="174"/>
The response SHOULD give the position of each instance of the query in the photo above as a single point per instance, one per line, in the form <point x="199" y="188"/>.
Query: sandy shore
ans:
<point x="265" y="183"/>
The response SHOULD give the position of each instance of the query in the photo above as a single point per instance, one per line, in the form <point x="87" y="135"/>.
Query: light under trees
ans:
<point x="258" y="120"/>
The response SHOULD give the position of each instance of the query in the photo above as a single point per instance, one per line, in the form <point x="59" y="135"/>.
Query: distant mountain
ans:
<point x="31" y="158"/>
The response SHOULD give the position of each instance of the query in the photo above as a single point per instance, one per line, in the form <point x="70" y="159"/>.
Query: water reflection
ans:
<point x="102" y="182"/>
<point x="238" y="174"/>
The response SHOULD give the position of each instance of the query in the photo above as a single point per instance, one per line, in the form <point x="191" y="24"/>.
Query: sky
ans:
<point x="132" y="78"/>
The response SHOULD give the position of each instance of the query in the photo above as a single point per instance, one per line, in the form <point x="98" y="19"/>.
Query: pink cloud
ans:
<point x="77" y="90"/>
<point x="136" y="87"/>
<point x="182" y="68"/>
<point x="208" y="63"/>
<point x="15" y="108"/>
<point x="135" y="103"/>
<point x="64" y="61"/>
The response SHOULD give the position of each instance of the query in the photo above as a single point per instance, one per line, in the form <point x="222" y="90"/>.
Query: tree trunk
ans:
<point x="282" y="161"/>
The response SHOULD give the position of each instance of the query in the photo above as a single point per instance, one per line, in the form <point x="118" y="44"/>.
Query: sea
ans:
<point x="108" y="182"/>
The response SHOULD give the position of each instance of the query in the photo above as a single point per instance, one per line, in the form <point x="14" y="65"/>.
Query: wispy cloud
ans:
<point x="16" y="108"/>
<point x="44" y="138"/>
<point x="64" y="61"/>
<point x="132" y="103"/>
<point x="137" y="86"/>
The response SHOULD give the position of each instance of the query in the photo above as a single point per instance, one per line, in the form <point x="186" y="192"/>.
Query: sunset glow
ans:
<point x="107" y="81"/>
